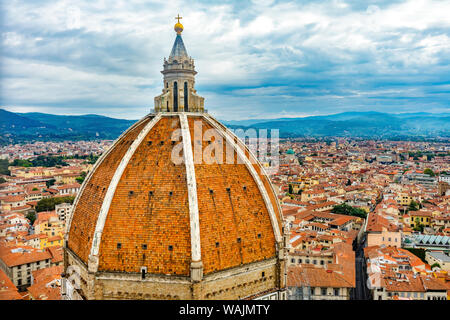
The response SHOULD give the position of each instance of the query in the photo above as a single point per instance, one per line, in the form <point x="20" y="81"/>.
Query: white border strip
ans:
<point x="255" y="176"/>
<point x="94" y="168"/>
<point x="192" y="189"/>
<point x="114" y="182"/>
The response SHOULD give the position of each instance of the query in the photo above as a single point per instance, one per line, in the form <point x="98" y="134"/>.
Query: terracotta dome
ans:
<point x="166" y="214"/>
<point x="136" y="203"/>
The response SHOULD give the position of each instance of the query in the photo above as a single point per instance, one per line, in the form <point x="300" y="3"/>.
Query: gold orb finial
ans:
<point x="178" y="26"/>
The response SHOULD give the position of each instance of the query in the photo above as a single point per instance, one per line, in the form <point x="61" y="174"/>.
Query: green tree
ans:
<point x="92" y="158"/>
<point x="418" y="252"/>
<point x="429" y="172"/>
<point x="81" y="178"/>
<point x="49" y="161"/>
<point x="413" y="206"/>
<point x="291" y="190"/>
<point x="4" y="164"/>
<point x="349" y="210"/>
<point x="21" y="163"/>
<point x="435" y="265"/>
<point x="31" y="216"/>
<point x="50" y="182"/>
<point x="2" y="180"/>
<point x="48" y="204"/>
<point x="418" y="226"/>
<point x="41" y="161"/>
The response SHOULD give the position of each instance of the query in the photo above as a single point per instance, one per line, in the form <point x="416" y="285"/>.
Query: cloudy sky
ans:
<point x="255" y="59"/>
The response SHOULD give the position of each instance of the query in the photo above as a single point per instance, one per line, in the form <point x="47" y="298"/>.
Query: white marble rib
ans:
<point x="115" y="181"/>
<point x="94" y="168"/>
<point x="192" y="189"/>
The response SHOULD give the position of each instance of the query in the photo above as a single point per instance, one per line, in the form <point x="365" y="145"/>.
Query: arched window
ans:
<point x="175" y="96"/>
<point x="186" y="108"/>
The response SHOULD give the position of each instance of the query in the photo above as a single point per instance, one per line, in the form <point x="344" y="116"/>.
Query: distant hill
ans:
<point x="10" y="121"/>
<point x="252" y="121"/>
<point x="360" y="124"/>
<point x="91" y="125"/>
<point x="21" y="127"/>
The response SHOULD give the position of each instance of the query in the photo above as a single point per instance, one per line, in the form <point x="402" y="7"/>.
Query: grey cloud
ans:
<point x="300" y="58"/>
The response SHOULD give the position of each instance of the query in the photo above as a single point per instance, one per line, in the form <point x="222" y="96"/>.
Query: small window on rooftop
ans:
<point x="259" y="235"/>
<point x="170" y="248"/>
<point x="228" y="189"/>
<point x="143" y="272"/>
<point x="211" y="191"/>
<point x="119" y="245"/>
<point x="144" y="246"/>
<point x="239" y="240"/>
<point x="130" y="193"/>
<point x="149" y="143"/>
<point x="217" y="244"/>
<point x="162" y="142"/>
<point x="170" y="193"/>
<point x="245" y="188"/>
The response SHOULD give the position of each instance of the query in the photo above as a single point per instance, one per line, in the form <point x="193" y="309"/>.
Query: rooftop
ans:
<point x="439" y="255"/>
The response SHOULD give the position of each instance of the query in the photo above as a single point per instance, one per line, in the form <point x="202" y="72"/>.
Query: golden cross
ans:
<point x="178" y="18"/>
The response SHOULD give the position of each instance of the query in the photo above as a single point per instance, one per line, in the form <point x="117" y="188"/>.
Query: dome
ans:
<point x="177" y="208"/>
<point x="134" y="207"/>
<point x="290" y="151"/>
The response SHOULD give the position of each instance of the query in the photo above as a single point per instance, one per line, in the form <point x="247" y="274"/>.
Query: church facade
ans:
<point x="147" y="227"/>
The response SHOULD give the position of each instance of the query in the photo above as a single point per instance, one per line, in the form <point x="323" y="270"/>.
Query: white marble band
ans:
<point x="192" y="189"/>
<point x="115" y="181"/>
<point x="96" y="165"/>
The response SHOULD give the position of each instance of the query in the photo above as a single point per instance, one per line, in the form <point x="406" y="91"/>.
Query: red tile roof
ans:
<point x="8" y="290"/>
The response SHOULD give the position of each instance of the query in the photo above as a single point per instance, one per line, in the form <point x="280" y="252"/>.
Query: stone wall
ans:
<point x="236" y="283"/>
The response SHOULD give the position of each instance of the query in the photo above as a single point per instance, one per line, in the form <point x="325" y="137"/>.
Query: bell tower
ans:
<point x="179" y="94"/>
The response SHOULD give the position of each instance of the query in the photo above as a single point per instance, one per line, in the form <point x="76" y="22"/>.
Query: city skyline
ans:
<point x="344" y="195"/>
<point x="265" y="59"/>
